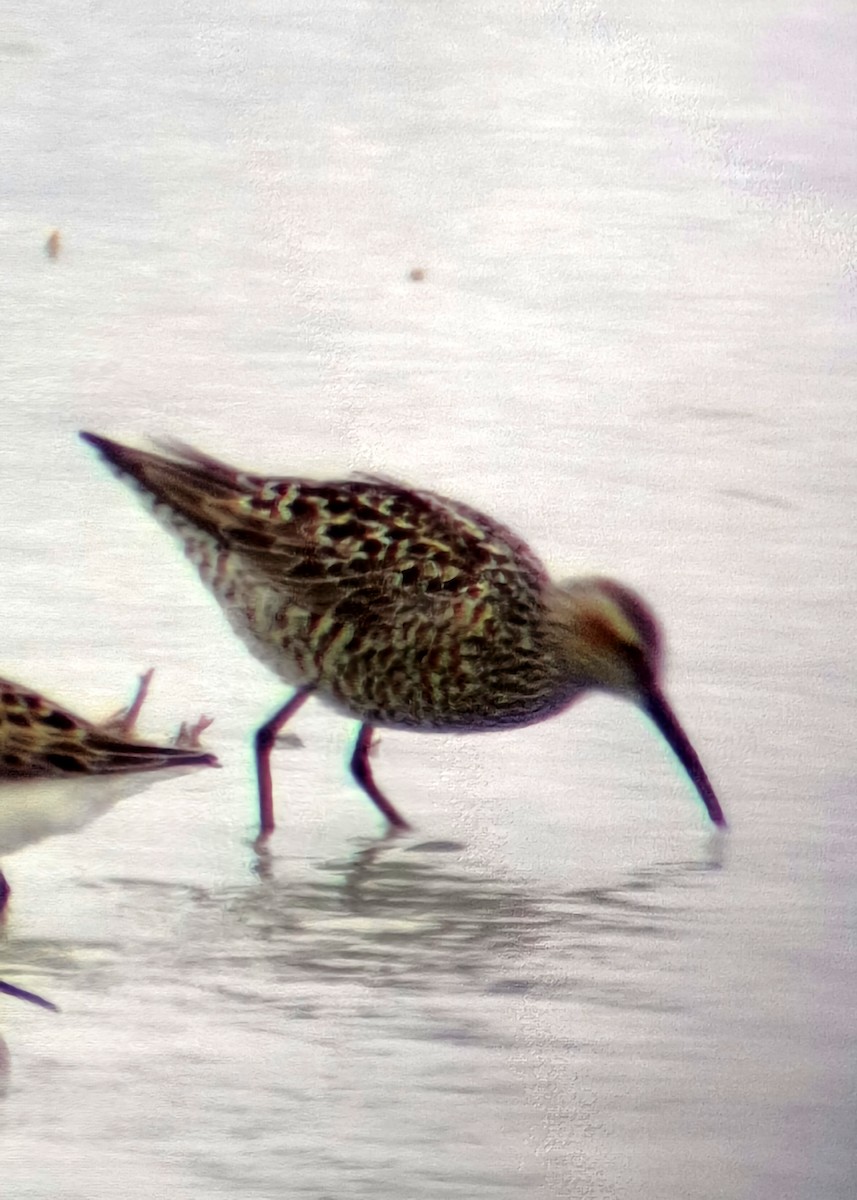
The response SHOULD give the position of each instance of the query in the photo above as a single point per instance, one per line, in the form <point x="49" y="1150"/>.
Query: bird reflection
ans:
<point x="405" y="915"/>
<point x="418" y="921"/>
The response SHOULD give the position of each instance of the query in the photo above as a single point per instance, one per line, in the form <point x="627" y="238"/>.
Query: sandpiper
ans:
<point x="58" y="771"/>
<point x="399" y="607"/>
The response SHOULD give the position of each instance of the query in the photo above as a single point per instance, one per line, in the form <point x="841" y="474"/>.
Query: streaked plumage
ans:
<point x="41" y="739"/>
<point x="398" y="607"/>
<point x="59" y="771"/>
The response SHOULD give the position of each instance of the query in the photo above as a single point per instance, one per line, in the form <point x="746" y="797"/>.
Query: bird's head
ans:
<point x="608" y="638"/>
<point x="607" y="635"/>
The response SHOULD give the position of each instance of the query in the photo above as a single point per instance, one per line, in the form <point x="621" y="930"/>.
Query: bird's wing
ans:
<point x="365" y="543"/>
<point x="39" y="738"/>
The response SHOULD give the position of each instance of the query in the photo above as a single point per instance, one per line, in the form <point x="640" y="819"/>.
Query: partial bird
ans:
<point x="59" y="771"/>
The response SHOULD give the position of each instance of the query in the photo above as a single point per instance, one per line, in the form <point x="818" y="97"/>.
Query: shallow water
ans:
<point x="634" y="342"/>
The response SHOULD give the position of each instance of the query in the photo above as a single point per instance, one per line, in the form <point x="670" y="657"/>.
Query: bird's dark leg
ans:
<point x="5" y="891"/>
<point x="9" y="989"/>
<point x="265" y="738"/>
<point x="362" y="772"/>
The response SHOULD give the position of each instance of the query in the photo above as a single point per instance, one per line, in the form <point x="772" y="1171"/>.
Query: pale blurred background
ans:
<point x="634" y="341"/>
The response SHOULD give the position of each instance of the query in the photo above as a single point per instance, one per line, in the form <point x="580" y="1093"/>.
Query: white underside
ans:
<point x="33" y="809"/>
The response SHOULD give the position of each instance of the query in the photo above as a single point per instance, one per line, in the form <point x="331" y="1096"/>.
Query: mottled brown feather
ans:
<point x="398" y="606"/>
<point x="405" y="607"/>
<point x="41" y="739"/>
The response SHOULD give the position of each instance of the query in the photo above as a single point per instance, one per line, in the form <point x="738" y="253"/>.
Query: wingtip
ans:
<point x="191" y="758"/>
<point x="176" y="451"/>
<point x="102" y="444"/>
<point x="115" y="454"/>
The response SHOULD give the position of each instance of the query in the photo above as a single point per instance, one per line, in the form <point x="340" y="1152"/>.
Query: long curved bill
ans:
<point x="656" y="705"/>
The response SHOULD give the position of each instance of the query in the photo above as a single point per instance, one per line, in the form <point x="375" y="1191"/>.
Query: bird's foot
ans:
<point x="188" y="736"/>
<point x="123" y="721"/>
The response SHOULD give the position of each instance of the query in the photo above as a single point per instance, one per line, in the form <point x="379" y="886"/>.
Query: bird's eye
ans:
<point x="639" y="661"/>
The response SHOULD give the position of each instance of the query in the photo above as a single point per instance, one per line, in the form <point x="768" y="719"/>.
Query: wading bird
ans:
<point x="398" y="607"/>
<point x="58" y="771"/>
